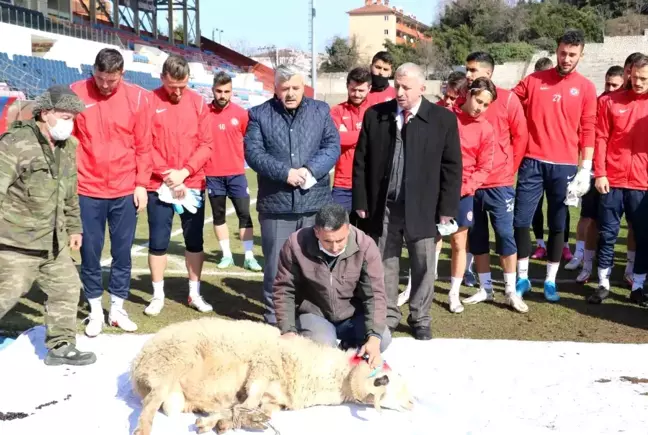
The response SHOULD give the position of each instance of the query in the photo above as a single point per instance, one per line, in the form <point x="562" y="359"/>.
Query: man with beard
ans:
<point x="562" y="104"/>
<point x="348" y="120"/>
<point x="381" y="70"/>
<point x="631" y="246"/>
<point x="225" y="171"/>
<point x="182" y="144"/>
<point x="621" y="173"/>
<point x="587" y="230"/>
<point x="114" y="161"/>
<point x="494" y="199"/>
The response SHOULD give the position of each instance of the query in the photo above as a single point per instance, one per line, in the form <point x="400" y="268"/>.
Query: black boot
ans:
<point x="598" y="295"/>
<point x="66" y="353"/>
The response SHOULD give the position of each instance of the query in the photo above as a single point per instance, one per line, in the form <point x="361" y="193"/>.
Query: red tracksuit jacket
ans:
<point x="562" y="115"/>
<point x="621" y="152"/>
<point x="351" y="117"/>
<point x="182" y="137"/>
<point x="506" y="116"/>
<point x="114" y="153"/>
<point x="389" y="93"/>
<point x="228" y="130"/>
<point x="477" y="149"/>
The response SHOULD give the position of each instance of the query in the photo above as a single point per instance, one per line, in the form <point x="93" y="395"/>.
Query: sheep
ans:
<point x="223" y="367"/>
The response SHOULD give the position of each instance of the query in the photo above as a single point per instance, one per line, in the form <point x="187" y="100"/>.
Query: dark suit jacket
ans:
<point x="432" y="174"/>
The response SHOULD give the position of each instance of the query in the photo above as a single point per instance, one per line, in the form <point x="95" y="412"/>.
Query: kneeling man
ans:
<point x="330" y="285"/>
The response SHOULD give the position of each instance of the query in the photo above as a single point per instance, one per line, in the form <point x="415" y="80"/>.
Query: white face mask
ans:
<point x="62" y="129"/>
<point x="330" y="254"/>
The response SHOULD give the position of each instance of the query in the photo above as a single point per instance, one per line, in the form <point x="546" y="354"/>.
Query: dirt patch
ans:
<point x="53" y="402"/>
<point x="634" y="380"/>
<point x="603" y="381"/>
<point x="7" y="416"/>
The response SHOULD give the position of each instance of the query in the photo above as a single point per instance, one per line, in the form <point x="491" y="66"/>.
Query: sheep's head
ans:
<point x="380" y="387"/>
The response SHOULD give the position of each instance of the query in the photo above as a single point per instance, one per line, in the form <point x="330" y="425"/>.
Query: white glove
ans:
<point x="580" y="185"/>
<point x="571" y="200"/>
<point x="192" y="200"/>
<point x="448" y="228"/>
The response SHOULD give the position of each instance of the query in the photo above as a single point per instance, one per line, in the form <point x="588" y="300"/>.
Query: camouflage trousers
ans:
<point x="57" y="277"/>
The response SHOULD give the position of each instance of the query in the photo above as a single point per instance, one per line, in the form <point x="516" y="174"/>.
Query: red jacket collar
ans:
<point x="463" y="116"/>
<point x="357" y="109"/>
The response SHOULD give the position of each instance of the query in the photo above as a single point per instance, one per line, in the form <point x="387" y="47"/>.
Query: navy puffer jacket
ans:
<point x="275" y="142"/>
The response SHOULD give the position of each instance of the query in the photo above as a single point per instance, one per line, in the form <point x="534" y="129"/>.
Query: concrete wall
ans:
<point x="508" y="74"/>
<point x="597" y="58"/>
<point x="369" y="31"/>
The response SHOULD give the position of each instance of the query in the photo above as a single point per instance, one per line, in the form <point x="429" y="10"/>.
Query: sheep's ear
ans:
<point x="381" y="381"/>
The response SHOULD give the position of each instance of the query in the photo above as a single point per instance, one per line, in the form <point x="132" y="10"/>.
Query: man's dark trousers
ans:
<point x="421" y="254"/>
<point x="275" y="230"/>
<point x="121" y="215"/>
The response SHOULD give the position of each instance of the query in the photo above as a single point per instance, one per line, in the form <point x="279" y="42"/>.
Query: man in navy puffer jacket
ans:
<point x="291" y="143"/>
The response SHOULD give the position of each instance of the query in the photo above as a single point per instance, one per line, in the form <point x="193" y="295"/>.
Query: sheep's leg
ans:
<point x="274" y="398"/>
<point x="151" y="405"/>
<point x="250" y="419"/>
<point x="175" y="403"/>
<point x="206" y="424"/>
<point x="254" y="389"/>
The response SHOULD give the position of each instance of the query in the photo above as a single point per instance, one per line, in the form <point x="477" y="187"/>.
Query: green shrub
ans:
<point x="510" y="51"/>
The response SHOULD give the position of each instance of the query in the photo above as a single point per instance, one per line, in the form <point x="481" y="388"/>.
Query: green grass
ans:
<point x="238" y="296"/>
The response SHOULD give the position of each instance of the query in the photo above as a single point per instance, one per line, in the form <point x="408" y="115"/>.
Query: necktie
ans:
<point x="406" y="116"/>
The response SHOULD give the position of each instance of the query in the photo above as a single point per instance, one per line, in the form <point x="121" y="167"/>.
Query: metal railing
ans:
<point x="37" y="21"/>
<point x="19" y="79"/>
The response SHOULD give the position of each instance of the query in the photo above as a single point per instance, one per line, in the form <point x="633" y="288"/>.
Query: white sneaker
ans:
<point x="455" y="304"/>
<point x="584" y="276"/>
<point x="574" y="263"/>
<point x="481" y="296"/>
<point x="95" y="324"/>
<point x="199" y="303"/>
<point x="119" y="319"/>
<point x="516" y="302"/>
<point x="154" y="307"/>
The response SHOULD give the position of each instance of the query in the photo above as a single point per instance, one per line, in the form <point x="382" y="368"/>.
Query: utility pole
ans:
<point x="313" y="49"/>
<point x="220" y="35"/>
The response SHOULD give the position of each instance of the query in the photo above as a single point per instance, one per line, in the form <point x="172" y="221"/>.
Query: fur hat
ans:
<point x="58" y="97"/>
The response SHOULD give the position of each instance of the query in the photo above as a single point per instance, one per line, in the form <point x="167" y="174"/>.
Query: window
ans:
<point x="386" y="32"/>
<point x="386" y="17"/>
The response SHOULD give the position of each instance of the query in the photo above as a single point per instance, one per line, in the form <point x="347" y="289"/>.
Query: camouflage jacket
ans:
<point x="39" y="205"/>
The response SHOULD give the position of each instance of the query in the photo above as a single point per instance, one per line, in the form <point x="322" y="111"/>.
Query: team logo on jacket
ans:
<point x="235" y="122"/>
<point x="469" y="216"/>
<point x="574" y="91"/>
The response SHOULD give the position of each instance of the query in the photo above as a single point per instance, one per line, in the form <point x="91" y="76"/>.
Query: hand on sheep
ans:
<point x="289" y="335"/>
<point x="372" y="349"/>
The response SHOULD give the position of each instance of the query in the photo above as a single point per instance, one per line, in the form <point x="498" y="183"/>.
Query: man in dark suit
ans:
<point x="407" y="178"/>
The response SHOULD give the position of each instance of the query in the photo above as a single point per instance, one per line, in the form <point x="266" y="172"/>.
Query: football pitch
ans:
<point x="236" y="293"/>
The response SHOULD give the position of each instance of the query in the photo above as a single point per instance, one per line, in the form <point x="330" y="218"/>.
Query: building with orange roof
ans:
<point x="376" y="21"/>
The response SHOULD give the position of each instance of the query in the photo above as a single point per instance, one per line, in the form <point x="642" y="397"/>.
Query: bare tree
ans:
<point x="242" y="46"/>
<point x="431" y="58"/>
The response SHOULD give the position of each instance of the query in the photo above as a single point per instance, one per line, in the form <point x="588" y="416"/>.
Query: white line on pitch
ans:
<point x="138" y="248"/>
<point x="204" y="272"/>
<point x="537" y="280"/>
